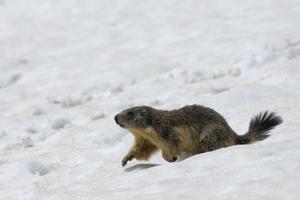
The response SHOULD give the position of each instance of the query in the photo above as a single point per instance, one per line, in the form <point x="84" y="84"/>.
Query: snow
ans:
<point x="67" y="67"/>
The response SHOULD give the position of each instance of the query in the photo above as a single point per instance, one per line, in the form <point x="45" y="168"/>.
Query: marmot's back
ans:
<point x="200" y="129"/>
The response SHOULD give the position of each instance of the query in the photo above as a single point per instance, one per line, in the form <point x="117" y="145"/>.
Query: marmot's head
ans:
<point x="137" y="117"/>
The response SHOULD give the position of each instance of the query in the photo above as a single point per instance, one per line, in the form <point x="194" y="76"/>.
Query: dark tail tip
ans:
<point x="264" y="122"/>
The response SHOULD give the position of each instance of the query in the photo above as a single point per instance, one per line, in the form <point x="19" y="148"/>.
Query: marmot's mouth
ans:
<point x="121" y="125"/>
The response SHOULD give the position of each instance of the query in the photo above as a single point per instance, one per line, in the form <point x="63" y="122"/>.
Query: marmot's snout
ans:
<point x="119" y="119"/>
<point x="124" y="117"/>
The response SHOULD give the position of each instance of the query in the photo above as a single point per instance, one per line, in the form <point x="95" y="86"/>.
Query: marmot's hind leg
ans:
<point x="216" y="139"/>
<point x="141" y="150"/>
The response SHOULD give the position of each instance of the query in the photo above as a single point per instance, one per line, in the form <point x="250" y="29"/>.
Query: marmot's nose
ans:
<point x="117" y="119"/>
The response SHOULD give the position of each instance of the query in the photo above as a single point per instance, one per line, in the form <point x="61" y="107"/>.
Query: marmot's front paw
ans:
<point x="126" y="159"/>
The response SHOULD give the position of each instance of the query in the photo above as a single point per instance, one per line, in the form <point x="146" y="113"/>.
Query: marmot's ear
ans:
<point x="150" y="122"/>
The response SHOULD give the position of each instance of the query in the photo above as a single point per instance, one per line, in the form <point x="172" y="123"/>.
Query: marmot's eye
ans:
<point x="144" y="112"/>
<point x="130" y="114"/>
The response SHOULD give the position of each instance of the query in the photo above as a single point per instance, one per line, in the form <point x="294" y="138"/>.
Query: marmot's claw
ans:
<point x="126" y="159"/>
<point x="124" y="162"/>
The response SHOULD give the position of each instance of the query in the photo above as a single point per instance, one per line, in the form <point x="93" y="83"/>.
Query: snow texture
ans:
<point x="67" y="67"/>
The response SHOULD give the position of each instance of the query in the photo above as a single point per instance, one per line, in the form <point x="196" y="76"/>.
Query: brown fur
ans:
<point x="191" y="129"/>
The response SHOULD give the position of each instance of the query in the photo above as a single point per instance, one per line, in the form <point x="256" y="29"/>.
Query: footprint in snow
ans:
<point x="198" y="76"/>
<point x="38" y="112"/>
<point x="3" y="134"/>
<point x="27" y="142"/>
<point x="217" y="90"/>
<point x="59" y="123"/>
<point x="294" y="52"/>
<point x="98" y="116"/>
<point x="36" y="168"/>
<point x="70" y="100"/>
<point x="11" y="80"/>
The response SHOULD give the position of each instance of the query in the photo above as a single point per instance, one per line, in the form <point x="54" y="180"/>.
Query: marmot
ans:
<point x="191" y="129"/>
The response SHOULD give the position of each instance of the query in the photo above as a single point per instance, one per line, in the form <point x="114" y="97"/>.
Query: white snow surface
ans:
<point x="67" y="67"/>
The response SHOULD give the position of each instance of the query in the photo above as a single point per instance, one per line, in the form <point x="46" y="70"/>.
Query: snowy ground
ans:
<point x="67" y="67"/>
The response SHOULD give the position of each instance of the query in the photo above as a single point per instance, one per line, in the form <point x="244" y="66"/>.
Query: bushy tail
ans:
<point x="260" y="126"/>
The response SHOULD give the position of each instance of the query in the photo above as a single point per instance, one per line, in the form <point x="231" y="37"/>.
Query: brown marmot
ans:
<point x="192" y="129"/>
